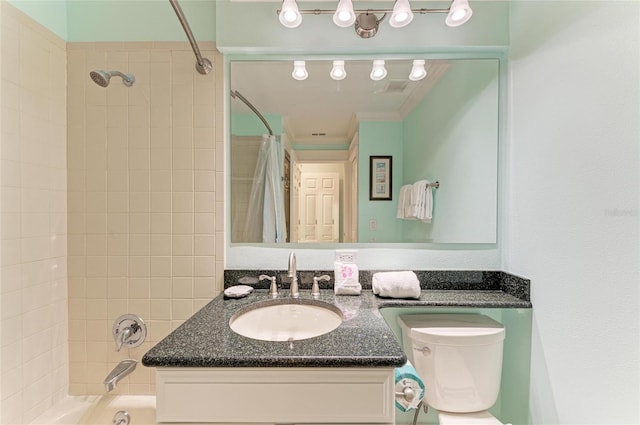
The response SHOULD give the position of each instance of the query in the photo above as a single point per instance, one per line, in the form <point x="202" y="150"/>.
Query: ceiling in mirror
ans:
<point x="320" y="110"/>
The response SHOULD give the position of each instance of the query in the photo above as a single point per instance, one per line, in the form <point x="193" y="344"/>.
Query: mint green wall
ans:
<point x="454" y="134"/>
<point x="52" y="14"/>
<point x="142" y="20"/>
<point x="120" y="20"/>
<point x="250" y="125"/>
<point x="249" y="26"/>
<point x="379" y="139"/>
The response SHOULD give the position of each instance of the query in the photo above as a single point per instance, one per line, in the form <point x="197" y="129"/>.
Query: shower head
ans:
<point x="102" y="78"/>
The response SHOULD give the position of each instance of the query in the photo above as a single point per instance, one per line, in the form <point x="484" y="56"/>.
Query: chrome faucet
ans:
<point x="122" y="369"/>
<point x="293" y="275"/>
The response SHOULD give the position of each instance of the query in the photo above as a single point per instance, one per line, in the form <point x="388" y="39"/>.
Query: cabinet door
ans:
<point x="275" y="395"/>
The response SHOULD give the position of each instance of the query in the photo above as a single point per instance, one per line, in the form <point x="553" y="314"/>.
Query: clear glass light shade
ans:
<point x="289" y="15"/>
<point x="401" y="15"/>
<point x="459" y="13"/>
<point x="344" y="16"/>
<point x="417" y="71"/>
<point x="338" y="72"/>
<point x="378" y="72"/>
<point x="299" y="71"/>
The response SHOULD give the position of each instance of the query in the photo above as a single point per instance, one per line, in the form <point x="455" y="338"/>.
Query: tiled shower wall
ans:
<point x="33" y="283"/>
<point x="145" y="228"/>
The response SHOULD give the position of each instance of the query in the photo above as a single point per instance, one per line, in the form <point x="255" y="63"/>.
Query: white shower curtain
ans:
<point x="265" y="217"/>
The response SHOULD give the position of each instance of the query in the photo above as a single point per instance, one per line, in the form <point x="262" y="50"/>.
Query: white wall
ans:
<point x="572" y="199"/>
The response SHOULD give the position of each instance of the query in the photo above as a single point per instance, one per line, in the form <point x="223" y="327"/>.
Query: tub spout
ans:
<point x="122" y="369"/>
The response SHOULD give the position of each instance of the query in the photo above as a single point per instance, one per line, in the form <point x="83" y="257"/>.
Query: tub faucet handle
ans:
<point x="273" y="290"/>
<point x="129" y="331"/>
<point x="315" y="289"/>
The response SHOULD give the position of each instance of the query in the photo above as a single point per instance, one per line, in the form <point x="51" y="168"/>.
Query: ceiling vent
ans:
<point x="396" y="86"/>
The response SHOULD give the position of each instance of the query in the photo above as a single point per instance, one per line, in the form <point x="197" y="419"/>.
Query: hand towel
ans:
<point x="404" y="201"/>
<point x="396" y="284"/>
<point x="421" y="205"/>
<point x="347" y="279"/>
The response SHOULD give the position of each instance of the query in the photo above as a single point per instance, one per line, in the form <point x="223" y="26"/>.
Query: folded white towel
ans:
<point x="396" y="284"/>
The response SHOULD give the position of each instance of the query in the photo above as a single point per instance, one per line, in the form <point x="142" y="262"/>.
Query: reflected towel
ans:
<point x="396" y="284"/>
<point x="404" y="201"/>
<point x="421" y="204"/>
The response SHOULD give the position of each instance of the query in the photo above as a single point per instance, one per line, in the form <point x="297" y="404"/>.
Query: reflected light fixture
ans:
<point x="459" y="13"/>
<point x="338" y="72"/>
<point x="344" y="16"/>
<point x="290" y="16"/>
<point x="299" y="71"/>
<point x="378" y="72"/>
<point x="417" y="71"/>
<point x="401" y="15"/>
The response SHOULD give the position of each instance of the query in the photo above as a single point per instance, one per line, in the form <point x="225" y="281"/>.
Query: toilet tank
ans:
<point x="458" y="356"/>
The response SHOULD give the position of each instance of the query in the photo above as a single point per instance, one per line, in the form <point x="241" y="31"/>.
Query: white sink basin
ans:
<point x="286" y="320"/>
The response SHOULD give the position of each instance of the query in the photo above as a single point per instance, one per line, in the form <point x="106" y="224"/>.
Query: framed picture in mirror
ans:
<point x="380" y="178"/>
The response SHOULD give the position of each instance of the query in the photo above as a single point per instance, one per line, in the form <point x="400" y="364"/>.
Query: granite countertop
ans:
<point x="362" y="340"/>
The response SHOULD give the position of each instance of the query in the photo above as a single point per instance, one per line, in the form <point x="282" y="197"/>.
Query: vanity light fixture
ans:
<point x="338" y="72"/>
<point x="378" y="72"/>
<point x="401" y="15"/>
<point x="299" y="71"/>
<point x="459" y="13"/>
<point x="344" y="16"/>
<point x="417" y="71"/>
<point x="290" y="16"/>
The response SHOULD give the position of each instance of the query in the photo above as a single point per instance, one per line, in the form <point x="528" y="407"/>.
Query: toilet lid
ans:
<point x="473" y="418"/>
<point x="452" y="329"/>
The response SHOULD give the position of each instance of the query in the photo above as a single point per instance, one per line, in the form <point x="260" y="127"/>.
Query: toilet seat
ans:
<point x="472" y="418"/>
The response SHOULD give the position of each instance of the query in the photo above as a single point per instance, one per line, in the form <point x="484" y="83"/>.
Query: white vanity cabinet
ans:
<point x="275" y="395"/>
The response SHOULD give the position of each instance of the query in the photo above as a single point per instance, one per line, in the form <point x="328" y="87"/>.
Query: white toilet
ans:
<point x="459" y="358"/>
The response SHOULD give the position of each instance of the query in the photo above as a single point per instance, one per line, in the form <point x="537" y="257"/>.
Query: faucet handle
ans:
<point x="273" y="290"/>
<point x="129" y="331"/>
<point x="315" y="289"/>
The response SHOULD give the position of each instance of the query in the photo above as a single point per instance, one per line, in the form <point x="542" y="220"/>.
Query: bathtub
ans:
<point x="100" y="410"/>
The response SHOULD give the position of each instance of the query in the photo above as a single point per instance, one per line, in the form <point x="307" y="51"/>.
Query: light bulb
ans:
<point x="338" y="72"/>
<point x="459" y="13"/>
<point x="417" y="71"/>
<point x="344" y="16"/>
<point x="299" y="71"/>
<point x="290" y="16"/>
<point x="378" y="72"/>
<point x="401" y="15"/>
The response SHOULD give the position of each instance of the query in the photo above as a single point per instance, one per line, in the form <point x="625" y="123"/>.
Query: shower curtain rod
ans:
<point x="236" y="93"/>
<point x="203" y="65"/>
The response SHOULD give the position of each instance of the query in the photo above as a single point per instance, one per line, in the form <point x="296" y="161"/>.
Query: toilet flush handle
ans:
<point x="424" y="350"/>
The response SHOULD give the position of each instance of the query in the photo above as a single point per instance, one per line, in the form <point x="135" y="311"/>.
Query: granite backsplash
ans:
<point x="473" y="280"/>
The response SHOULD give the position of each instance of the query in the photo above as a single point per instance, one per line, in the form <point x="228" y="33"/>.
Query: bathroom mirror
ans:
<point x="444" y="127"/>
